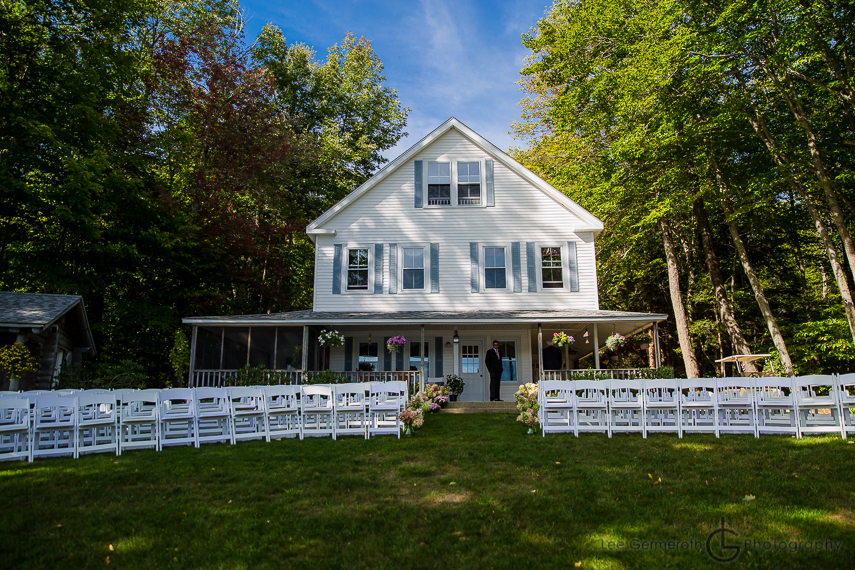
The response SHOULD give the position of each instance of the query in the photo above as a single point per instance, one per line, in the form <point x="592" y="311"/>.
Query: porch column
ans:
<point x="657" y="354"/>
<point x="190" y="379"/>
<point x="596" y="347"/>
<point x="422" y="352"/>
<point x="540" y="350"/>
<point x="305" y="355"/>
<point x="455" y="347"/>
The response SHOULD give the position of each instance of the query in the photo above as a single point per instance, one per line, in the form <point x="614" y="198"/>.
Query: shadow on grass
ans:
<point x="468" y="491"/>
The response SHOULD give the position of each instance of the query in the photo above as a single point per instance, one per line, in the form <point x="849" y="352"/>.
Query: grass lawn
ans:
<point x="468" y="491"/>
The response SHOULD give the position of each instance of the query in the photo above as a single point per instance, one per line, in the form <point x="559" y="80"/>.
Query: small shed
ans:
<point x="54" y="327"/>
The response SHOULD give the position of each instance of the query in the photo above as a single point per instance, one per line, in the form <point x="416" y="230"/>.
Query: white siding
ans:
<point x="523" y="213"/>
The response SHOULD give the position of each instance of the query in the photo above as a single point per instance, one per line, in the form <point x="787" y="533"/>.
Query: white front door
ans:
<point x="472" y="370"/>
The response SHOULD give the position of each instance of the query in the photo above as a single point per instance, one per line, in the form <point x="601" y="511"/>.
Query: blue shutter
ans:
<point x="418" y="180"/>
<point x="393" y="267"/>
<point x="515" y="265"/>
<point x="434" y="268"/>
<point x="488" y="182"/>
<point x="572" y="266"/>
<point x="336" y="269"/>
<point x="378" y="268"/>
<point x="399" y="358"/>
<point x="438" y="348"/>
<point x="531" y="266"/>
<point x="387" y="356"/>
<point x="473" y="266"/>
<point x="348" y="353"/>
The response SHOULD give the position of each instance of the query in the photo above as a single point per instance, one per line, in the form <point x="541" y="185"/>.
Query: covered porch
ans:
<point x="284" y="347"/>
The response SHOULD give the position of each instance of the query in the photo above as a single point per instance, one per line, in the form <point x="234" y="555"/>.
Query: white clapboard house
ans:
<point x="453" y="244"/>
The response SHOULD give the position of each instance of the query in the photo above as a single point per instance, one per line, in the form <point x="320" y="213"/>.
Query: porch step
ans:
<point x="480" y="407"/>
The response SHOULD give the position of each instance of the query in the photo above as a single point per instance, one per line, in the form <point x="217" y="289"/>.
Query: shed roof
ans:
<point x="38" y="311"/>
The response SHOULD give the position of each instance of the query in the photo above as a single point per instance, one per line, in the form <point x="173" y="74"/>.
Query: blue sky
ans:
<point x="446" y="58"/>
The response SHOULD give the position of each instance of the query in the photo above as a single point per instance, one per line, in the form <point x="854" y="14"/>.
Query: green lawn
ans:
<point x="468" y="491"/>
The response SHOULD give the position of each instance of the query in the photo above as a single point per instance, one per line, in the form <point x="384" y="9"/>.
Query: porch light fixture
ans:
<point x="586" y="336"/>
<point x="456" y="337"/>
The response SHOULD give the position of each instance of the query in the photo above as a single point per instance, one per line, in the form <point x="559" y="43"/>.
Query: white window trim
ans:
<point x="482" y="259"/>
<point x="454" y="198"/>
<point x="426" y="248"/>
<point x="347" y="247"/>
<point x="565" y="270"/>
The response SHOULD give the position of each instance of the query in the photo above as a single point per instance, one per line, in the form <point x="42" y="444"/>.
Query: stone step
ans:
<point x="480" y="407"/>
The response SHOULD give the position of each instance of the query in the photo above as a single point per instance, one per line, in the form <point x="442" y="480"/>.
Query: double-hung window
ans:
<point x="414" y="268"/>
<point x="439" y="183"/>
<point x="357" y="269"/>
<point x="368" y="356"/>
<point x="494" y="268"/>
<point x="416" y="357"/>
<point x="551" y="268"/>
<point x="468" y="183"/>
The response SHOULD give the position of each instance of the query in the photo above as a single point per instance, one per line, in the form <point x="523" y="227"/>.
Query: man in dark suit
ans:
<point x="552" y="358"/>
<point x="493" y="362"/>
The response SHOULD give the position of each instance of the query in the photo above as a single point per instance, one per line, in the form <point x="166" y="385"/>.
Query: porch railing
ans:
<point x="219" y="378"/>
<point x="601" y="374"/>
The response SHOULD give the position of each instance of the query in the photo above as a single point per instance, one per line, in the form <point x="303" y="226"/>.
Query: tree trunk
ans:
<point x="759" y="293"/>
<point x="783" y="164"/>
<point x="740" y="345"/>
<point x="680" y="320"/>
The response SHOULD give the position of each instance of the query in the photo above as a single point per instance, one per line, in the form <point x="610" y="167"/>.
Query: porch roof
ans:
<point x="429" y="317"/>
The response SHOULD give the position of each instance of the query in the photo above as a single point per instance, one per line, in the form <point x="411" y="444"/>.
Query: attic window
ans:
<point x="468" y="183"/>
<point x="439" y="183"/>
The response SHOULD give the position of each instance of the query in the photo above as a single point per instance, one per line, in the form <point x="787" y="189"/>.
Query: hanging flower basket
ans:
<point x="561" y="338"/>
<point x="615" y="342"/>
<point x="396" y="343"/>
<point x="330" y="338"/>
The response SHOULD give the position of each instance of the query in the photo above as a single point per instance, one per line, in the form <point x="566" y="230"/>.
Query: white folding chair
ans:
<point x="213" y="415"/>
<point x="14" y="428"/>
<point x="385" y="401"/>
<point x="139" y="419"/>
<point x="776" y="406"/>
<point x="248" y="415"/>
<point x="846" y="396"/>
<point x="735" y="403"/>
<point x="626" y="406"/>
<point x="698" y="409"/>
<point x="662" y="406"/>
<point x="54" y="426"/>
<point x="177" y="416"/>
<point x="817" y="405"/>
<point x="556" y="399"/>
<point x="316" y="411"/>
<point x="350" y="410"/>
<point x="97" y="422"/>
<point x="592" y="406"/>
<point x="282" y="406"/>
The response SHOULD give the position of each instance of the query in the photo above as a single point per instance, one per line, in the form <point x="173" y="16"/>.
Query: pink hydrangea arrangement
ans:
<point x="412" y="418"/>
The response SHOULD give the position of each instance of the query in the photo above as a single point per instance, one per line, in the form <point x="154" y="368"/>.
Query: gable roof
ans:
<point x="591" y="222"/>
<point x="38" y="311"/>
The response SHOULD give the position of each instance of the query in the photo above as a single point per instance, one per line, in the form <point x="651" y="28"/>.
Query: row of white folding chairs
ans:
<point x="797" y="405"/>
<point x="42" y="424"/>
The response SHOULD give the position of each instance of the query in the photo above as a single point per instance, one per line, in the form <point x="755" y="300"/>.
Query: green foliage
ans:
<point x="325" y="377"/>
<point x="16" y="359"/>
<point x="179" y="356"/>
<point x="102" y="375"/>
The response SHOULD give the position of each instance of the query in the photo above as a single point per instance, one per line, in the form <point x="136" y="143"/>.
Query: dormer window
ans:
<point x="439" y="183"/>
<point x="468" y="183"/>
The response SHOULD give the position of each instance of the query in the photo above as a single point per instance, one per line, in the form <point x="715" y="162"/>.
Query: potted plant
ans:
<point x="16" y="359"/>
<point x="643" y="340"/>
<point x="396" y="343"/>
<point x="615" y="342"/>
<point x="330" y="338"/>
<point x="412" y="419"/>
<point x="455" y="386"/>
